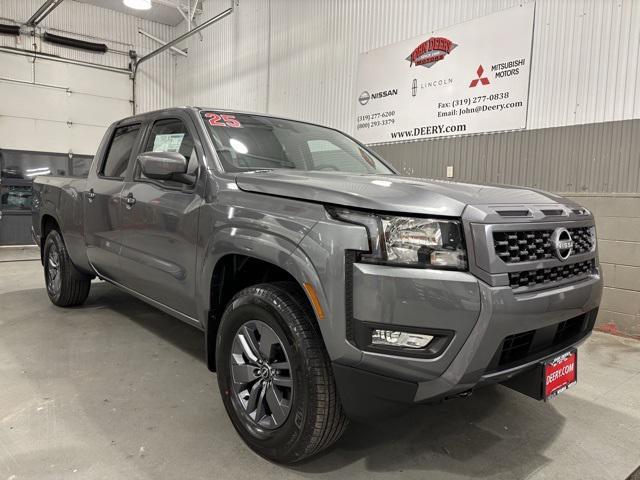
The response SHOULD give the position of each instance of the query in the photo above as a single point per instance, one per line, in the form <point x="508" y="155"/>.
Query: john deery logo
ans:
<point x="431" y="51"/>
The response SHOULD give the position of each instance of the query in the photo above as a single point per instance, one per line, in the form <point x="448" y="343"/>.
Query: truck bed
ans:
<point x="61" y="198"/>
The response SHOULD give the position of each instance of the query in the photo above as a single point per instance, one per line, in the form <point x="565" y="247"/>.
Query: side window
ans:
<point x="171" y="135"/>
<point x="117" y="159"/>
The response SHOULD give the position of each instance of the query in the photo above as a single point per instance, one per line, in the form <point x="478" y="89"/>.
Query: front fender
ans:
<point x="260" y="245"/>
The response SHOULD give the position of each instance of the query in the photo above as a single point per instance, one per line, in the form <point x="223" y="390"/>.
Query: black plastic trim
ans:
<point x="366" y="395"/>
<point x="545" y="343"/>
<point x="349" y="260"/>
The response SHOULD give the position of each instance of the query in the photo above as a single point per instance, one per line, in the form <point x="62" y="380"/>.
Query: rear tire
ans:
<point x="269" y="350"/>
<point x="66" y="285"/>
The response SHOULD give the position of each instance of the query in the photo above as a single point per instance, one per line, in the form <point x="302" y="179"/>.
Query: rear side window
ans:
<point x="117" y="159"/>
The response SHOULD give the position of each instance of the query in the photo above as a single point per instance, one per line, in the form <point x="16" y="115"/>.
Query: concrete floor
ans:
<point x="116" y="389"/>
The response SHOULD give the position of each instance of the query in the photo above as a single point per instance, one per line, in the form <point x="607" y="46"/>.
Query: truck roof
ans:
<point x="144" y="115"/>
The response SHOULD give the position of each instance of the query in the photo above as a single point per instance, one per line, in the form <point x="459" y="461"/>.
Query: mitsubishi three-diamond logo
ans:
<point x="481" y="79"/>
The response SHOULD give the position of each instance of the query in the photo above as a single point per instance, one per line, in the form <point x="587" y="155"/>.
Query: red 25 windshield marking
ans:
<point x="216" y="120"/>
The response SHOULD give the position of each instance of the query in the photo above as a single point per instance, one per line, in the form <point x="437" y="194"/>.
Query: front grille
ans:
<point x="531" y="245"/>
<point x="582" y="239"/>
<point x="520" y="347"/>
<point x="529" y="278"/>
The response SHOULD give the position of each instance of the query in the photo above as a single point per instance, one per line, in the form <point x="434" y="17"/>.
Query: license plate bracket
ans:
<point x="533" y="382"/>
<point x="560" y="373"/>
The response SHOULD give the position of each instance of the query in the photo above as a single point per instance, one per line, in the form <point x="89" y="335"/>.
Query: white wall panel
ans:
<point x="63" y="107"/>
<point x="82" y="80"/>
<point x="116" y="29"/>
<point x="16" y="67"/>
<point x="299" y="58"/>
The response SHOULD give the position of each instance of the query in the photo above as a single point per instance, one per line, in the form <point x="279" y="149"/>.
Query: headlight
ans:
<point x="410" y="241"/>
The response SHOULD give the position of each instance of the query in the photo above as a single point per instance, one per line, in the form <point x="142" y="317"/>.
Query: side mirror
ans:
<point x="164" y="166"/>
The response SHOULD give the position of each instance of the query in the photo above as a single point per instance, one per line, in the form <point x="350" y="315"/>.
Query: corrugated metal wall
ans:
<point x="228" y="63"/>
<point x="118" y="30"/>
<point x="299" y="57"/>
<point x="596" y="157"/>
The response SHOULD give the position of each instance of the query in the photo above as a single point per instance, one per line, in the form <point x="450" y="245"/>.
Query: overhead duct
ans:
<point x="75" y="43"/>
<point x="9" y="29"/>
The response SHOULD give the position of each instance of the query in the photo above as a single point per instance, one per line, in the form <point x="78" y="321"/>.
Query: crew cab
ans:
<point x="328" y="286"/>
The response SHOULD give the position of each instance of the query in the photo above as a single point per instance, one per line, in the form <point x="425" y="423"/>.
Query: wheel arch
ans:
<point x="235" y="271"/>
<point x="48" y="222"/>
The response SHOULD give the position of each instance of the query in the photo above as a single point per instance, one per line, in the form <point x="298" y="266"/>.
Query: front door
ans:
<point x="102" y="201"/>
<point x="160" y="221"/>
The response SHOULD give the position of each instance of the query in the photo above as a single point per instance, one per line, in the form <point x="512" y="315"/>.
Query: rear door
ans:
<point x="160" y="219"/>
<point x="102" y="200"/>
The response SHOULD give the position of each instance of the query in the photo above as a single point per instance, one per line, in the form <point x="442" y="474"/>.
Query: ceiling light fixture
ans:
<point x="138" y="4"/>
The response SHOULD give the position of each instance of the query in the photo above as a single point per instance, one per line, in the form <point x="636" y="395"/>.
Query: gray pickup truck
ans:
<point x="328" y="286"/>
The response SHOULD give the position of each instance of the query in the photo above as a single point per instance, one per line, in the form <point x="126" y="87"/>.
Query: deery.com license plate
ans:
<point x="560" y="373"/>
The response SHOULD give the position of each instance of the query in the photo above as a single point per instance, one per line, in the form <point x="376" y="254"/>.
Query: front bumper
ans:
<point x="483" y="319"/>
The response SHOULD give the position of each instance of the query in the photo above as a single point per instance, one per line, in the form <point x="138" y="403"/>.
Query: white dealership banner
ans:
<point x="469" y="78"/>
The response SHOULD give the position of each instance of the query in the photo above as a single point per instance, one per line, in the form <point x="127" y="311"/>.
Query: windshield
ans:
<point x="251" y="142"/>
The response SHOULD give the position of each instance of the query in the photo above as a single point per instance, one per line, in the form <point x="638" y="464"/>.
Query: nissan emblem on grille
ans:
<point x="562" y="243"/>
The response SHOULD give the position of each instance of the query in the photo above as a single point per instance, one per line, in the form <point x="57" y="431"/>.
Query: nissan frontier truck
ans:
<point x="328" y="286"/>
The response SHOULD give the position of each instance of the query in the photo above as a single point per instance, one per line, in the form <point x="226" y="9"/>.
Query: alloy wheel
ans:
<point x="261" y="375"/>
<point x="54" y="278"/>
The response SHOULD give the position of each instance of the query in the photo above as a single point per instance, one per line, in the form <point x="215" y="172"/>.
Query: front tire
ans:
<point x="275" y="376"/>
<point x="66" y="286"/>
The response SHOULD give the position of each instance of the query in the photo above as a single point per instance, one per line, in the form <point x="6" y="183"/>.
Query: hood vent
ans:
<point x="514" y="213"/>
<point x="580" y="211"/>
<point x="553" y="213"/>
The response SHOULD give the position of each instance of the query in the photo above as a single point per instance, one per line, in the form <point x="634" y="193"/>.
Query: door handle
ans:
<point x="91" y="195"/>
<point x="130" y="200"/>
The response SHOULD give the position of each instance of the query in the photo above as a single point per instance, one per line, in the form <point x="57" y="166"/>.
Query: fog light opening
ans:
<point x="395" y="338"/>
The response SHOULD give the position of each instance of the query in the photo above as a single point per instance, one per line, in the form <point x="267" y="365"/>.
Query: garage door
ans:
<point x="52" y="118"/>
<point x="49" y="106"/>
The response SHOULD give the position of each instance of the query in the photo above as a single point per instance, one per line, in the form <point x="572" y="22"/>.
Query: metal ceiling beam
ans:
<point x="183" y="37"/>
<point x="193" y="10"/>
<point x="174" y="42"/>
<point x="45" y="9"/>
<point x="161" y="42"/>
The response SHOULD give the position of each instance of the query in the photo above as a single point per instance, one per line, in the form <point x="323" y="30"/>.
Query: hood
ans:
<point x="389" y="193"/>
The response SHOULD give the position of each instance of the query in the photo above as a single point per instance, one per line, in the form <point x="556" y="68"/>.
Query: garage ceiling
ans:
<point x="161" y="12"/>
